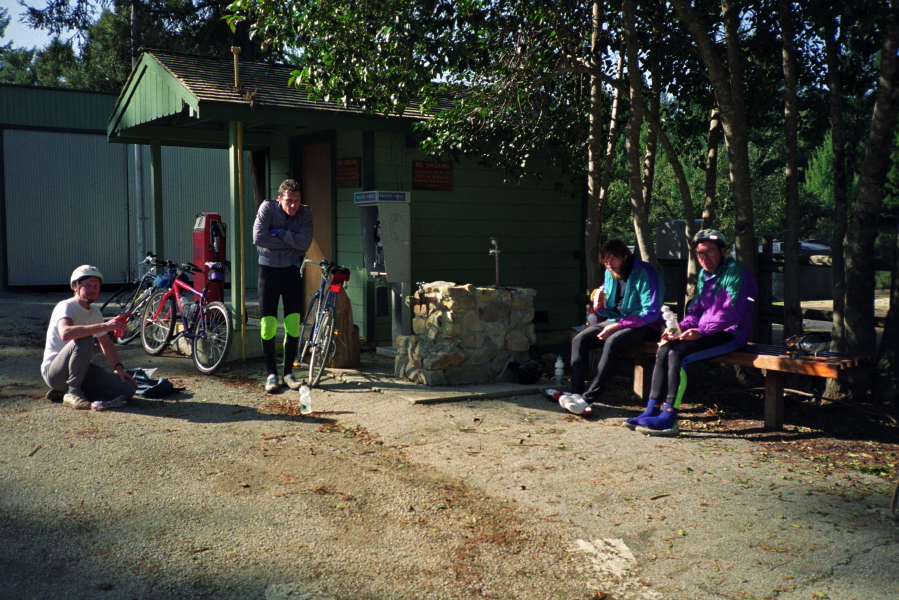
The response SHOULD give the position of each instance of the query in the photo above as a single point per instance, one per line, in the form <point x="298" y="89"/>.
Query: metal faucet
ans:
<point x="495" y="253"/>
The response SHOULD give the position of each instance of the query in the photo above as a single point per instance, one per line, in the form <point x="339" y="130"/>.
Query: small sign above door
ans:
<point x="349" y="172"/>
<point x="433" y="176"/>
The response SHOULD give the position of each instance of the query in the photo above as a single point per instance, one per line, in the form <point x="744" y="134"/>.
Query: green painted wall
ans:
<point x="54" y="109"/>
<point x="538" y="230"/>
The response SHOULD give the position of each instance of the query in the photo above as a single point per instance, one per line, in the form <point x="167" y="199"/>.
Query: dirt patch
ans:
<point x="833" y="434"/>
<point x="222" y="491"/>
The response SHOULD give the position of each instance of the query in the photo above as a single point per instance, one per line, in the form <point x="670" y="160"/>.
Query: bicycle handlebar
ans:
<point x="150" y="259"/>
<point x="190" y="267"/>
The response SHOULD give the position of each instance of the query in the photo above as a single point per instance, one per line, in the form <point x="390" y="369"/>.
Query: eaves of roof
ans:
<point x="169" y="89"/>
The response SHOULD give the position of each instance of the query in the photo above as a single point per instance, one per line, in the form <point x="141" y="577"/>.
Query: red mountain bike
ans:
<point x="207" y="324"/>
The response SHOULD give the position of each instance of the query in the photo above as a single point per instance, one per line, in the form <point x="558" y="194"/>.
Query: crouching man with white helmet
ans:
<point x="67" y="366"/>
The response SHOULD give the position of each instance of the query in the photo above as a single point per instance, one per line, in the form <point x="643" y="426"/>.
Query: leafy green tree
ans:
<point x="15" y="63"/>
<point x="93" y="42"/>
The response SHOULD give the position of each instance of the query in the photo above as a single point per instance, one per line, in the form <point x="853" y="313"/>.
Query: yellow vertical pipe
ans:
<point x="243" y="242"/>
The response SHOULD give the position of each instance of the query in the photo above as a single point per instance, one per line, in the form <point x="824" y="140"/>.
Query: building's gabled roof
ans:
<point x="189" y="100"/>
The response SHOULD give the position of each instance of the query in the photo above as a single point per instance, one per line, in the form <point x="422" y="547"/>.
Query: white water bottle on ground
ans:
<point x="305" y="399"/>
<point x="560" y="370"/>
<point x="672" y="327"/>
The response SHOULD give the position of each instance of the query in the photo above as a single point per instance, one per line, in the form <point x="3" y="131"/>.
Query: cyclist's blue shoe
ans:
<point x="652" y="410"/>
<point x="271" y="384"/>
<point x="663" y="425"/>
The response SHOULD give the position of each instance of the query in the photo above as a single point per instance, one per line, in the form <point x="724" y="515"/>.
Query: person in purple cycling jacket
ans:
<point x="718" y="321"/>
<point x="628" y="313"/>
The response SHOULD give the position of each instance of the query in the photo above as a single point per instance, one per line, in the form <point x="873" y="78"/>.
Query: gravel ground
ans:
<point x="223" y="491"/>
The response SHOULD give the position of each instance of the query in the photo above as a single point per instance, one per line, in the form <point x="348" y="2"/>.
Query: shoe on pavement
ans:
<point x="54" y="396"/>
<point x="576" y="405"/>
<point x="117" y="402"/>
<point x="652" y="410"/>
<point x="271" y="384"/>
<point x="76" y="401"/>
<point x="673" y="431"/>
<point x="554" y="395"/>
<point x="665" y="424"/>
<point x="291" y="381"/>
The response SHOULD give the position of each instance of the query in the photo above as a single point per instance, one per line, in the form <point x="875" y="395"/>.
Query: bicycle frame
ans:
<point x="205" y="323"/>
<point x="199" y="304"/>
<point x="317" y="328"/>
<point x="326" y="291"/>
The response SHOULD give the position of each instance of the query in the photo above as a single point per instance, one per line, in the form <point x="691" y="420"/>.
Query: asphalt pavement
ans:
<point x="698" y="516"/>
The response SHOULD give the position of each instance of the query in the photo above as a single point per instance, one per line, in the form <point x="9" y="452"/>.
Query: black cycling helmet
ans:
<point x="710" y="235"/>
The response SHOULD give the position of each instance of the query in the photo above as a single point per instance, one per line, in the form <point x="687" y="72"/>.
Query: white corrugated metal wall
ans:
<point x="64" y="204"/>
<point x="70" y="200"/>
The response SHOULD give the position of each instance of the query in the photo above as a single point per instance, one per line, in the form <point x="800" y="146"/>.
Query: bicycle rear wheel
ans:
<point x="322" y="346"/>
<point x="211" y="351"/>
<point x="125" y="300"/>
<point x="156" y="331"/>
<point x="306" y="333"/>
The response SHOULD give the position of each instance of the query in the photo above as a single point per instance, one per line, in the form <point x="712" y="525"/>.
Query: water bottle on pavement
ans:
<point x="305" y="399"/>
<point x="560" y="370"/>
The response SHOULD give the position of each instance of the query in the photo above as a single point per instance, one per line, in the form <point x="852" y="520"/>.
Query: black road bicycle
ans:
<point x="317" y="332"/>
<point x="131" y="299"/>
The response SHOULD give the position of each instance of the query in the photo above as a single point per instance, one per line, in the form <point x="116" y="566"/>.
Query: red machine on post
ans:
<point x="209" y="247"/>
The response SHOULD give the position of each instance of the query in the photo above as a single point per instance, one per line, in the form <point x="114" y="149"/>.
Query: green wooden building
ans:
<point x="273" y="131"/>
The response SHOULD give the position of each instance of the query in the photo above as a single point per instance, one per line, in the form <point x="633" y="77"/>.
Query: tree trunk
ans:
<point x="632" y="135"/>
<point x="593" y="237"/>
<point x="836" y="388"/>
<point x="792" y="308"/>
<point x="840" y="193"/>
<point x="612" y="137"/>
<point x="727" y="84"/>
<point x="655" y="101"/>
<point x="860" y="333"/>
<point x="886" y="376"/>
<point x="710" y="200"/>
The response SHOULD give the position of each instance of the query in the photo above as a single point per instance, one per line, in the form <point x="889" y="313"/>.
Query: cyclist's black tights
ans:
<point x="669" y="376"/>
<point x="280" y="283"/>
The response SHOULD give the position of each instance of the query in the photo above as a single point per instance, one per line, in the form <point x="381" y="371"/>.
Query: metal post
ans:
<point x="495" y="253"/>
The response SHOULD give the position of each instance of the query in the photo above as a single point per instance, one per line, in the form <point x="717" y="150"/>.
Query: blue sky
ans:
<point x="21" y="35"/>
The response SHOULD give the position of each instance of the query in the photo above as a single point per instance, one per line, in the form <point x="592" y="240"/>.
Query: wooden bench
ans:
<point x="774" y="361"/>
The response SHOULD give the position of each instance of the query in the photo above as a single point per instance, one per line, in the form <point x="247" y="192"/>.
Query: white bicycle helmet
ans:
<point x="710" y="235"/>
<point x="85" y="271"/>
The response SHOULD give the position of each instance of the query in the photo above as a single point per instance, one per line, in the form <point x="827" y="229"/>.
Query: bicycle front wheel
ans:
<point x="211" y="350"/>
<point x="158" y="325"/>
<point x="306" y="328"/>
<point x="322" y="346"/>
